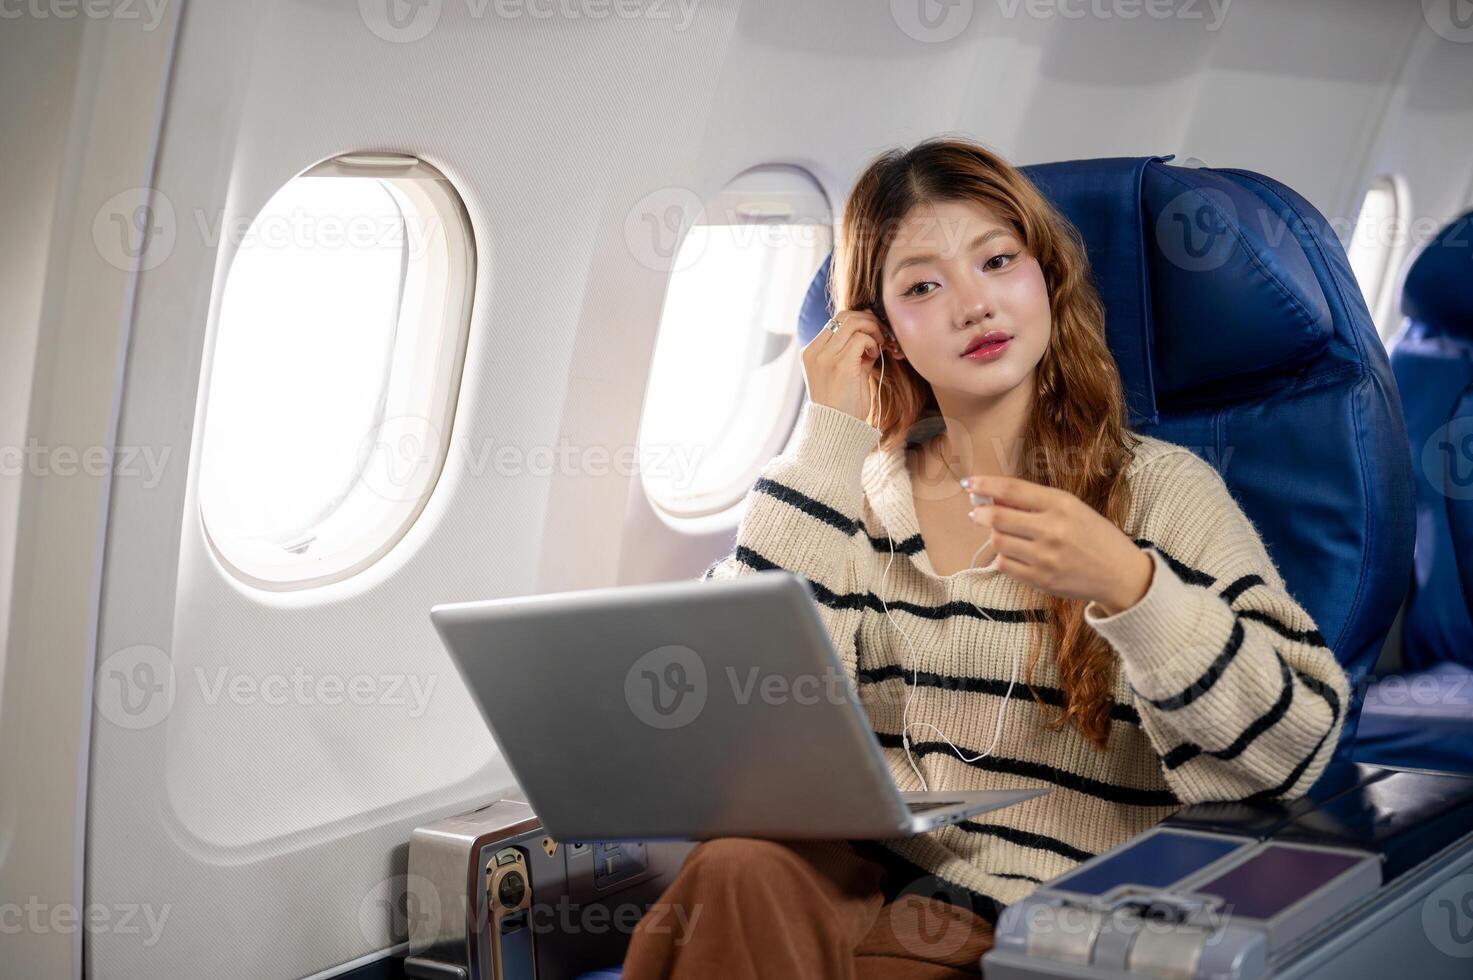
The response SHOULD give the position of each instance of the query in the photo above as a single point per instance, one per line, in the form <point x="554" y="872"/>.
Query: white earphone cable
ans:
<point x="905" y="723"/>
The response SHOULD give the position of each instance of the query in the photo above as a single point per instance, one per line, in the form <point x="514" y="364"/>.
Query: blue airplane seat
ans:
<point x="1240" y="332"/>
<point x="1422" y="716"/>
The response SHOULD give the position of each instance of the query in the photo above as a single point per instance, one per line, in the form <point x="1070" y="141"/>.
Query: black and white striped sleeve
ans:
<point x="1237" y="690"/>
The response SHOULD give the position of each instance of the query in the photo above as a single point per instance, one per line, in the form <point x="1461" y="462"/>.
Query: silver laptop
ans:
<point x="685" y="711"/>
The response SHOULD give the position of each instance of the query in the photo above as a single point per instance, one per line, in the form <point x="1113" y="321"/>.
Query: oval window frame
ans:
<point x="755" y="196"/>
<point x="427" y="187"/>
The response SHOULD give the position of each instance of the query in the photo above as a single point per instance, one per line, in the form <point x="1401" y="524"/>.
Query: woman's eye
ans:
<point x="1006" y="257"/>
<point x="915" y="286"/>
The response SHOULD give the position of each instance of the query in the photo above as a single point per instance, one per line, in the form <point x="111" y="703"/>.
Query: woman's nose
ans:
<point x="974" y="301"/>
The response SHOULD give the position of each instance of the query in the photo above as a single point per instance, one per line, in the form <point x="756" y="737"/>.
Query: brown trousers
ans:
<point x="758" y="910"/>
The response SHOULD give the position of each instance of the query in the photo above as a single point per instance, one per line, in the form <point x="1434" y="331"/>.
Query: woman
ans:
<point x="1166" y="663"/>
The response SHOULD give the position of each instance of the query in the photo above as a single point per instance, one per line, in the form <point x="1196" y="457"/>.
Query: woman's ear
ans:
<point x="892" y="346"/>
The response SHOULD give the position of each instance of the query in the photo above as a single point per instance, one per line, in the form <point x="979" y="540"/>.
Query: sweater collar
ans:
<point x="886" y="480"/>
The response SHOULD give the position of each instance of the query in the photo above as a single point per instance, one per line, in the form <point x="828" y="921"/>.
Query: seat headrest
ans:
<point x="1231" y="292"/>
<point x="1202" y="279"/>
<point x="1230" y="279"/>
<point x="1438" y="292"/>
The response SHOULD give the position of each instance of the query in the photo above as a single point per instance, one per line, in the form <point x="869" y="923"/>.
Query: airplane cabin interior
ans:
<point x="323" y="314"/>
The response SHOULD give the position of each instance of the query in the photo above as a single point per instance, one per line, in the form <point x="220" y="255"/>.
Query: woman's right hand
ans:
<point x="837" y="366"/>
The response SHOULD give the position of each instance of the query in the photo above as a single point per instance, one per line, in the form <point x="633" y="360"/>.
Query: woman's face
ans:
<point x="954" y="273"/>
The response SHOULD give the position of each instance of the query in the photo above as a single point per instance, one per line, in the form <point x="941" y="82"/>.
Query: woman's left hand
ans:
<point x="1052" y="540"/>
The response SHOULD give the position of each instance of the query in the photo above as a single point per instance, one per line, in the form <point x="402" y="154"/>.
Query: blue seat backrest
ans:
<point x="1240" y="333"/>
<point x="1432" y="358"/>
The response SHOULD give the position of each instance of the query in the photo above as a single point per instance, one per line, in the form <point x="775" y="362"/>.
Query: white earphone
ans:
<point x="905" y="724"/>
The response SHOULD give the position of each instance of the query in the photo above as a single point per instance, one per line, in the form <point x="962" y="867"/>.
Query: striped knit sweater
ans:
<point x="1224" y="688"/>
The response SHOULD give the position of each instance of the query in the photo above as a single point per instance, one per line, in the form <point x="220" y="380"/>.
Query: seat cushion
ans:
<point x="1419" y="720"/>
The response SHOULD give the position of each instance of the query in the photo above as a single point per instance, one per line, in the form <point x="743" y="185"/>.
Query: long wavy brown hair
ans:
<point x="1076" y="438"/>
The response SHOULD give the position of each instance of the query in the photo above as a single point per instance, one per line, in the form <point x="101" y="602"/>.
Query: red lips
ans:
<point x="990" y="337"/>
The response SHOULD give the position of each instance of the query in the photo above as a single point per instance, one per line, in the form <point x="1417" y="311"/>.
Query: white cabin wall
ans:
<point x="314" y="803"/>
<point x="107" y="78"/>
<point x="41" y="56"/>
<point x="1428" y="138"/>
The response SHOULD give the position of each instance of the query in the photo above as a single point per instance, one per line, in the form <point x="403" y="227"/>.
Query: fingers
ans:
<point x="1012" y="491"/>
<point x="856" y="327"/>
<point x="1018" y="551"/>
<point x="1031" y="525"/>
<point x="852" y="322"/>
<point x="857" y="341"/>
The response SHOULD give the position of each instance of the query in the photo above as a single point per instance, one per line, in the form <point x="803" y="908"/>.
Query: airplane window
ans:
<point x="726" y="382"/>
<point x="336" y="363"/>
<point x="1377" y="246"/>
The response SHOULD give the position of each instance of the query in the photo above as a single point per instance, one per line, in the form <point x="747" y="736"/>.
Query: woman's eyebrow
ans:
<point x="981" y="239"/>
